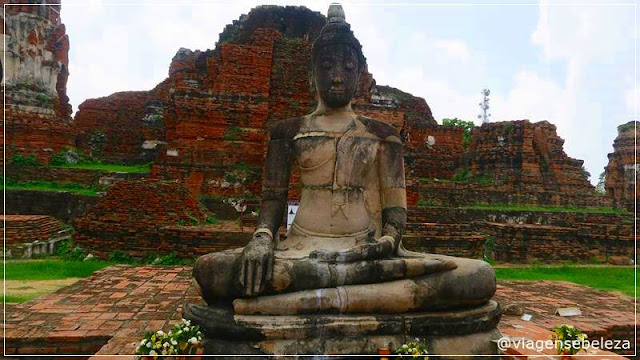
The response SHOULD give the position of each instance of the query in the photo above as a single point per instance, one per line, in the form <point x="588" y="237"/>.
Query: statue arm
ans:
<point x="256" y="266"/>
<point x="393" y="195"/>
<point x="275" y="186"/>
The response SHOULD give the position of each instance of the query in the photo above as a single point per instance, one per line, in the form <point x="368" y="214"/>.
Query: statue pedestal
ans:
<point x="459" y="332"/>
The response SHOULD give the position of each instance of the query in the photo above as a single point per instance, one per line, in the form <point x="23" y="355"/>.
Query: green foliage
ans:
<point x="43" y="100"/>
<point x="183" y="339"/>
<point x="119" y="257"/>
<point x="21" y="160"/>
<point x="41" y="185"/>
<point x="465" y="176"/>
<point x="415" y="348"/>
<point x="423" y="202"/>
<point x="51" y="269"/>
<point x="626" y="127"/>
<point x="461" y="175"/>
<point x="534" y="208"/>
<point x="58" y="160"/>
<point x="242" y="173"/>
<point x="585" y="174"/>
<point x="610" y="278"/>
<point x="507" y="128"/>
<point x="169" y="259"/>
<point x="488" y="251"/>
<point x="568" y="339"/>
<point x="211" y="220"/>
<point x="466" y="126"/>
<point x="544" y="166"/>
<point x="602" y="179"/>
<point x="67" y="251"/>
<point x="232" y="133"/>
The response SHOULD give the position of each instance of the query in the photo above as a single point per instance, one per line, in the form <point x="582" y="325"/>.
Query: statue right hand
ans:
<point x="256" y="264"/>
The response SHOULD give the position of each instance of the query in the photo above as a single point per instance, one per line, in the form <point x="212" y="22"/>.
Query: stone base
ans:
<point x="460" y="332"/>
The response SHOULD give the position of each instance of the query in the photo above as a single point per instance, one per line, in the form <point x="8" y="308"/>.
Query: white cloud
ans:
<point x="578" y="29"/>
<point x="632" y="100"/>
<point x="454" y="49"/>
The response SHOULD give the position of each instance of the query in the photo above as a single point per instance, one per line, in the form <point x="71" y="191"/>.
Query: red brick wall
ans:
<point x="63" y="175"/>
<point x="29" y="228"/>
<point x="131" y="213"/>
<point x="113" y="128"/>
<point x="529" y="242"/>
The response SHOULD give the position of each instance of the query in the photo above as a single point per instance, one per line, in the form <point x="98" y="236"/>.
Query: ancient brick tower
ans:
<point x="35" y="74"/>
<point x="622" y="170"/>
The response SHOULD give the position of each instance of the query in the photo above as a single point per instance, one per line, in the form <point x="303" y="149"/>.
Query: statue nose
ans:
<point x="337" y="80"/>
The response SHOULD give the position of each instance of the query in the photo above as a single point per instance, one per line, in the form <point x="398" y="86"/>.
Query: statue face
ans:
<point x="336" y="74"/>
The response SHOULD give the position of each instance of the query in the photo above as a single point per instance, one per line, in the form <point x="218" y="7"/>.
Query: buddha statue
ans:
<point x="343" y="253"/>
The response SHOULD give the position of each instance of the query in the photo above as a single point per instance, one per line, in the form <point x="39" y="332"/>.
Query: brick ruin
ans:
<point x="146" y="216"/>
<point x="210" y="115"/>
<point x="204" y="126"/>
<point x="28" y="235"/>
<point x="622" y="170"/>
<point x="512" y="162"/>
<point x="38" y="114"/>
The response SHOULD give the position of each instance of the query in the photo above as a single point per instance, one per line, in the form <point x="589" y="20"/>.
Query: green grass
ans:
<point x="141" y="168"/>
<point x="532" y="208"/>
<point x="610" y="278"/>
<point x="40" y="185"/>
<point x="51" y="269"/>
<point x="18" y="299"/>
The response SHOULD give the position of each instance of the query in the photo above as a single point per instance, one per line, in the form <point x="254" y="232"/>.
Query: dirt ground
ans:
<point x="30" y="289"/>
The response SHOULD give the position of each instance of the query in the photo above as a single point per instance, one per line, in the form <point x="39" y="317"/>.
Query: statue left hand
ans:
<point x="383" y="247"/>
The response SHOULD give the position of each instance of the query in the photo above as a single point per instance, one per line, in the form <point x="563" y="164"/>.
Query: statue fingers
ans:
<point x="250" y="278"/>
<point x="350" y="255"/>
<point x="243" y="271"/>
<point x="269" y="274"/>
<point x="258" y="276"/>
<point x="324" y="256"/>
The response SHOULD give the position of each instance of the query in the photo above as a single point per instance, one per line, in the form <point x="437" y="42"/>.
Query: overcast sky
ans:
<point x="572" y="63"/>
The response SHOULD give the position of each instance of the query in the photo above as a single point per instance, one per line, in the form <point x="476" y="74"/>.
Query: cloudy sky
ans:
<point x="572" y="63"/>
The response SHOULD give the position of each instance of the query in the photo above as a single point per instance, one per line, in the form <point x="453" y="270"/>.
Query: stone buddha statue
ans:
<point x="343" y="253"/>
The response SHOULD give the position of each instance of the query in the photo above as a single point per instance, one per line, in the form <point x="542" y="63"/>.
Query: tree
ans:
<point x="601" y="181"/>
<point x="466" y="126"/>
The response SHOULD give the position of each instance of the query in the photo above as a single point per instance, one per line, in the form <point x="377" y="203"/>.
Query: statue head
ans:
<point x="337" y="60"/>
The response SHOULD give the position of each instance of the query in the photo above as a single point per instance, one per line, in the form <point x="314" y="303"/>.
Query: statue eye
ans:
<point x="349" y="65"/>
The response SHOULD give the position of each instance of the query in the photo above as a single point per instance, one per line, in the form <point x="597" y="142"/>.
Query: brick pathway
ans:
<point x="604" y="314"/>
<point x="115" y="306"/>
<point x="109" y="312"/>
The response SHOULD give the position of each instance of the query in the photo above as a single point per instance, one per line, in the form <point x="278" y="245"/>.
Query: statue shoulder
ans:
<point x="380" y="129"/>
<point x="285" y="129"/>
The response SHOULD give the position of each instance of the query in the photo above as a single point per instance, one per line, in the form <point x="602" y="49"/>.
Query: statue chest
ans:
<point x="339" y="161"/>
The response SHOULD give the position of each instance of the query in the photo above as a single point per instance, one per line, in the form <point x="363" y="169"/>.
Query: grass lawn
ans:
<point x="51" y="269"/>
<point x="141" y="168"/>
<point x="610" y="278"/>
<point x="27" y="279"/>
<point x="600" y="210"/>
<point x="49" y="186"/>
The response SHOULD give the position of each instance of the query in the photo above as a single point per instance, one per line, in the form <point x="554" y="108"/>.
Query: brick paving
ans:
<point x="604" y="314"/>
<point x="109" y="312"/>
<point x="105" y="313"/>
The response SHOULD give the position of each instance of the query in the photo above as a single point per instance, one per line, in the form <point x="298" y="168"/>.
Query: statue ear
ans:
<point x="312" y="81"/>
